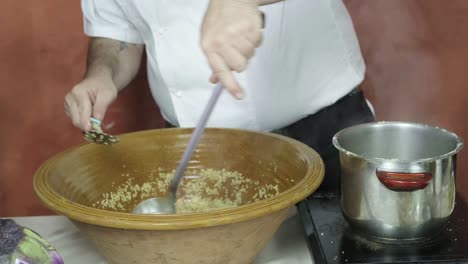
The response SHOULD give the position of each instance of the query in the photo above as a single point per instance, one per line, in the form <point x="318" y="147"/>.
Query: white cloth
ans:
<point x="287" y="246"/>
<point x="309" y="58"/>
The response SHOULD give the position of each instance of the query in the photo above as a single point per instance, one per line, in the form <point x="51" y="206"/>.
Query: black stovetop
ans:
<point x="331" y="240"/>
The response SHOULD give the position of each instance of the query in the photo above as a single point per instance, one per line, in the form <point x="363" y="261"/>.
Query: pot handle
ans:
<point x="404" y="181"/>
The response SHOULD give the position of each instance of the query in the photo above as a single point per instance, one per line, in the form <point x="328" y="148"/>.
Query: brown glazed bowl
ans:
<point x="70" y="182"/>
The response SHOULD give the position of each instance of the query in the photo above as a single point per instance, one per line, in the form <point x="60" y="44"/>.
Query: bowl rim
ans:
<point x="106" y="218"/>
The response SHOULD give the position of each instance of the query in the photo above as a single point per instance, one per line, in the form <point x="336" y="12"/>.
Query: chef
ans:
<point x="297" y="72"/>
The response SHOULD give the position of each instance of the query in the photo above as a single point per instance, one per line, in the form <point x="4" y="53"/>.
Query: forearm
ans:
<point x="108" y="58"/>
<point x="267" y="2"/>
<point x="262" y="2"/>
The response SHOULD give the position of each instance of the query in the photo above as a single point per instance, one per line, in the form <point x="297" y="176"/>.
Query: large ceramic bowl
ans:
<point x="71" y="182"/>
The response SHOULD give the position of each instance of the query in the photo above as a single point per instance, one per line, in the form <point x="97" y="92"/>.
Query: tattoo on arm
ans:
<point x="105" y="56"/>
<point x="123" y="45"/>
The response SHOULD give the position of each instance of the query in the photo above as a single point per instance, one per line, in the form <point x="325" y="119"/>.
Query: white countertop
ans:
<point x="287" y="246"/>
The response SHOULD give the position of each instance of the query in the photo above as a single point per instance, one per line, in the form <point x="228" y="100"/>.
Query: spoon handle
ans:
<point x="195" y="137"/>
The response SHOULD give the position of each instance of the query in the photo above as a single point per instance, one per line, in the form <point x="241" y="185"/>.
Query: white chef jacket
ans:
<point x="309" y="58"/>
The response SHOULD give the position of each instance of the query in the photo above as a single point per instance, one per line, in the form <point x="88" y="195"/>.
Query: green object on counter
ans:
<point x="21" y="245"/>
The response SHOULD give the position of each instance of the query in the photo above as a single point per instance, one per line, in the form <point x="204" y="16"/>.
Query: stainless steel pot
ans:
<point x="398" y="179"/>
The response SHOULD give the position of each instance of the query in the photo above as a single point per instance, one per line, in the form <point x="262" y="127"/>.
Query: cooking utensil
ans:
<point x="96" y="135"/>
<point x="72" y="182"/>
<point x="398" y="179"/>
<point x="166" y="205"/>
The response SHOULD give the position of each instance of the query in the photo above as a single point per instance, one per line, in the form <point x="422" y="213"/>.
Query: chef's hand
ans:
<point x="231" y="31"/>
<point x="91" y="97"/>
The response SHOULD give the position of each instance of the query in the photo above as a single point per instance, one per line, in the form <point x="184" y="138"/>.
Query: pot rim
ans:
<point x="337" y="145"/>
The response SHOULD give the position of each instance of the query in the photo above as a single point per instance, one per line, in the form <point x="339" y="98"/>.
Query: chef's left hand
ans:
<point x="231" y="31"/>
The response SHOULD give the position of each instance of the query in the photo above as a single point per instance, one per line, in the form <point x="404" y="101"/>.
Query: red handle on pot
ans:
<point x="404" y="181"/>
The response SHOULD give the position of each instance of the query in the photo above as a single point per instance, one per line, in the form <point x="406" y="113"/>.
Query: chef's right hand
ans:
<point x="90" y="97"/>
<point x="230" y="33"/>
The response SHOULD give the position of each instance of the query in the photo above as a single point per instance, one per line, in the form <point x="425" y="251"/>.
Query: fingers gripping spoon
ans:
<point x="166" y="205"/>
<point x="96" y="135"/>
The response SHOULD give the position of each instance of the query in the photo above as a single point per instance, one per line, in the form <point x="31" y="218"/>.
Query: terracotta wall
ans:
<point x="42" y="55"/>
<point x="415" y="53"/>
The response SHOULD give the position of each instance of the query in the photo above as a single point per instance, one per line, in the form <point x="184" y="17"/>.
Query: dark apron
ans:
<point x="317" y="131"/>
